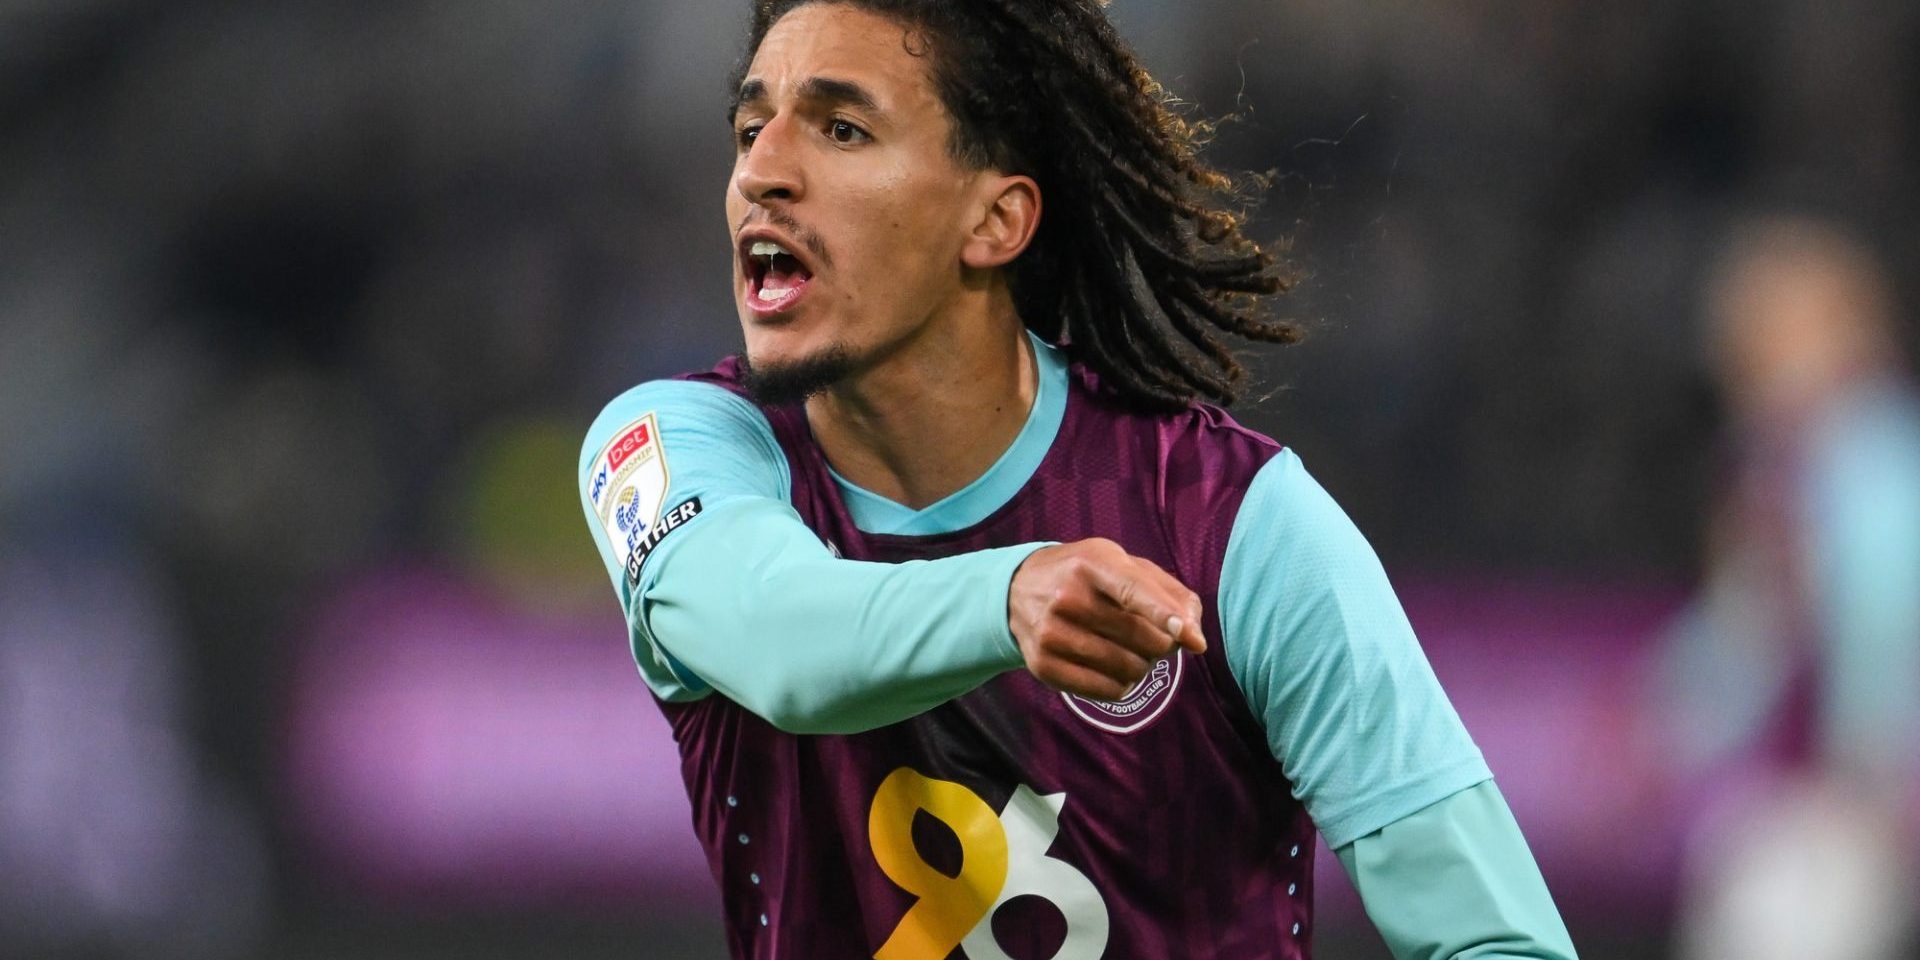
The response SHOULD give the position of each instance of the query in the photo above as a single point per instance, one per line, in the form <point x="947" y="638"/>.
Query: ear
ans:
<point x="1008" y="215"/>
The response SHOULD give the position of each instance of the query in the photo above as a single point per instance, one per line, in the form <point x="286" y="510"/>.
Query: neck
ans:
<point x="936" y="413"/>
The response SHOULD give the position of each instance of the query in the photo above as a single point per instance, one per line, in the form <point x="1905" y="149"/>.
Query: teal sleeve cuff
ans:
<point x="1457" y="881"/>
<point x="747" y="599"/>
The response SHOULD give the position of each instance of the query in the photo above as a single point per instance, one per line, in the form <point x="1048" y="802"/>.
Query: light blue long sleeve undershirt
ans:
<point x="1456" y="880"/>
<point x="1324" y="654"/>
<point x="744" y="599"/>
<point x="752" y="604"/>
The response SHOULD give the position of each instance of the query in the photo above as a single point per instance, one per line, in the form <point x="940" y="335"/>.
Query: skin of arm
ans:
<point x="1353" y="712"/>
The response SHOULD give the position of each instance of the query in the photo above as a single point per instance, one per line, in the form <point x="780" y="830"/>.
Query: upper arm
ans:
<point x="654" y="461"/>
<point x="1329" y="664"/>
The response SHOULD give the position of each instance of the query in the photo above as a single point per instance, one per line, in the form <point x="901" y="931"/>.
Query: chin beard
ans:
<point x="791" y="381"/>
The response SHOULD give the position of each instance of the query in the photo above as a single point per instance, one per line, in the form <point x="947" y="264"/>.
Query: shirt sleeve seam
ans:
<point x="1380" y="808"/>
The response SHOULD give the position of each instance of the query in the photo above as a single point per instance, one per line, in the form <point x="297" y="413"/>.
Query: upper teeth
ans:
<point x="766" y="248"/>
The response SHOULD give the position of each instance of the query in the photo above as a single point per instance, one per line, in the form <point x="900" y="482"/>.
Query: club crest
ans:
<point x="1139" y="706"/>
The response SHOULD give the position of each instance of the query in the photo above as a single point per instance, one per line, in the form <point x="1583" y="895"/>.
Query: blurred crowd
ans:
<point x="300" y="296"/>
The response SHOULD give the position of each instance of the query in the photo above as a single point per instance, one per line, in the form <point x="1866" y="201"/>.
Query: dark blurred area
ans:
<point x="304" y="308"/>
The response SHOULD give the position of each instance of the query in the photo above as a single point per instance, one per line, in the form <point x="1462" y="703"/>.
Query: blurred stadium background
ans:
<point x="304" y="306"/>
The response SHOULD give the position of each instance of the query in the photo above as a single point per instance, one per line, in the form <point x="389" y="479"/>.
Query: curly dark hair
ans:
<point x="1141" y="262"/>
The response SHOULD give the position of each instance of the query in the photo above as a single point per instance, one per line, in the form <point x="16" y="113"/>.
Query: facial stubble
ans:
<point x="792" y="381"/>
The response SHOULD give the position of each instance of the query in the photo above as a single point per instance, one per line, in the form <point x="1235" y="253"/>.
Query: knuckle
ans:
<point x="1028" y="639"/>
<point x="1055" y="642"/>
<point x="1046" y="639"/>
<point x="1059" y="598"/>
<point x="1150" y="641"/>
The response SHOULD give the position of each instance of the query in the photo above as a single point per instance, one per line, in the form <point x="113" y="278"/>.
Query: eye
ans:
<point x="744" y="137"/>
<point x="843" y="132"/>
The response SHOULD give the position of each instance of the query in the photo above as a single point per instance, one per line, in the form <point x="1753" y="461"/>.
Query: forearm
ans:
<point x="1455" y="881"/>
<point x="759" y="609"/>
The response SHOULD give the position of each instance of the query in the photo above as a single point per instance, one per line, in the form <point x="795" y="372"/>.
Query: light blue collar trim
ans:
<point x="976" y="501"/>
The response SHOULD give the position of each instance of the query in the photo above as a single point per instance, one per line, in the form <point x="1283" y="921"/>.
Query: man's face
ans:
<point x="842" y="165"/>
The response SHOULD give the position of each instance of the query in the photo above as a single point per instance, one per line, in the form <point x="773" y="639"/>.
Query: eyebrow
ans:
<point x="822" y="90"/>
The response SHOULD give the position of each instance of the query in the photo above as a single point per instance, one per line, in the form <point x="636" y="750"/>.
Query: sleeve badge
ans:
<point x="629" y="484"/>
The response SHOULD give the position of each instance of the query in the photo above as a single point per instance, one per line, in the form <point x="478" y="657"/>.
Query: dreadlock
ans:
<point x="1141" y="263"/>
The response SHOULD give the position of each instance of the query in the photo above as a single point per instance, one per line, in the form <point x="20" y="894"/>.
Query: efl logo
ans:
<point x="1147" y="700"/>
<point x="626" y="512"/>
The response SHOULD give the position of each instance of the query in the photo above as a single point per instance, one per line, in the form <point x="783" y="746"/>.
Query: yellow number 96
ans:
<point x="1001" y="857"/>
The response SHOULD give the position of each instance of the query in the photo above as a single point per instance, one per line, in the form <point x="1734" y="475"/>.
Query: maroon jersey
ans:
<point x="1016" y="821"/>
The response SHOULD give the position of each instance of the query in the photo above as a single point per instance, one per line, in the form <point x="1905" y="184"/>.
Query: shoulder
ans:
<point x="1210" y="467"/>
<point x="1198" y="463"/>
<point x="1287" y="510"/>
<point x="699" y="420"/>
<point x="1204" y="437"/>
<point x="1294" y="553"/>
<point x="699" y="401"/>
<point x="1199" y="449"/>
<point x="665" y="445"/>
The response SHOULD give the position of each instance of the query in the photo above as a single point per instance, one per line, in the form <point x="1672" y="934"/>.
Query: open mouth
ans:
<point x="775" y="277"/>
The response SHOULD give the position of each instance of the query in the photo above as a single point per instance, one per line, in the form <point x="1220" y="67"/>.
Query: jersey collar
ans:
<point x="976" y="501"/>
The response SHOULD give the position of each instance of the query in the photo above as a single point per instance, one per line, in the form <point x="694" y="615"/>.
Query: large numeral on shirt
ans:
<point x="948" y="906"/>
<point x="1000" y="858"/>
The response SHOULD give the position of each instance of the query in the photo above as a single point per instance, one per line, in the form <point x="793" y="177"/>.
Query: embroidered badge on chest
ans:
<point x="1147" y="700"/>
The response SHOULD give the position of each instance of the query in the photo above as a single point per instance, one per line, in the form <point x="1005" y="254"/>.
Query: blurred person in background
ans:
<point x="1795" y="677"/>
<point x="114" y="838"/>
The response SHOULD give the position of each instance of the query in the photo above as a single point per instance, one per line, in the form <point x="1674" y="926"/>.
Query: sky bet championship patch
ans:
<point x="629" y="484"/>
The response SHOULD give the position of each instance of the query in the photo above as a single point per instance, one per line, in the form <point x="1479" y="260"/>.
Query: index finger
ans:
<point x="1166" y="605"/>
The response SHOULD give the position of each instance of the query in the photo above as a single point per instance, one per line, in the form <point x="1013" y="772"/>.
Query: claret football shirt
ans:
<point x="926" y="798"/>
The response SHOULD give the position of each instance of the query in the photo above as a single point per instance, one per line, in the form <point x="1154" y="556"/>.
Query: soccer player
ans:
<point x="981" y="630"/>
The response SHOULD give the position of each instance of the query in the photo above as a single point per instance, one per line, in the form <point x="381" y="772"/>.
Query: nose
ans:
<point x="768" y="172"/>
